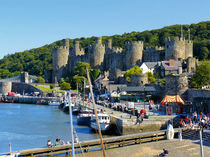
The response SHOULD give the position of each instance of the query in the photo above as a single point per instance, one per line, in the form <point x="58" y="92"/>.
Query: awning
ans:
<point x="172" y="99"/>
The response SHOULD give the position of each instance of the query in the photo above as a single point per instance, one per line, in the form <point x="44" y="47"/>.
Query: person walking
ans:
<point x="137" y="119"/>
<point x="195" y="117"/>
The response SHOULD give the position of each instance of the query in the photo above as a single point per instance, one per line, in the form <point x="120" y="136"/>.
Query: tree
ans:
<point x="133" y="71"/>
<point x="79" y="80"/>
<point x="65" y="86"/>
<point x="40" y="80"/>
<point x="162" y="81"/>
<point x="204" y="53"/>
<point x="151" y="77"/>
<point x="52" y="86"/>
<point x="202" y="75"/>
<point x="94" y="73"/>
<point x="80" y="69"/>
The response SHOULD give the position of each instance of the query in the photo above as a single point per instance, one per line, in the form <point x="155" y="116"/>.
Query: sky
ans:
<point x="27" y="24"/>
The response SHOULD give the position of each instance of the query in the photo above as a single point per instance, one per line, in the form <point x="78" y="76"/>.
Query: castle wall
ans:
<point x="133" y="53"/>
<point x="153" y="54"/>
<point x="108" y="58"/>
<point x="191" y="64"/>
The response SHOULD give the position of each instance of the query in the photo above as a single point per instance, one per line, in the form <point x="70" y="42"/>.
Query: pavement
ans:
<point x="185" y="148"/>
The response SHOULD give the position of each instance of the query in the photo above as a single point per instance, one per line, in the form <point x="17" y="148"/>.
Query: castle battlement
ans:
<point x="134" y="43"/>
<point x="98" y="40"/>
<point x="152" y="49"/>
<point x="117" y="49"/>
<point x="188" y="41"/>
<point x="61" y="48"/>
<point x="174" y="39"/>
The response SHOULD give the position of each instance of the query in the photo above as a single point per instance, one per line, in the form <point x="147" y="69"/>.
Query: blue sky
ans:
<point x="26" y="24"/>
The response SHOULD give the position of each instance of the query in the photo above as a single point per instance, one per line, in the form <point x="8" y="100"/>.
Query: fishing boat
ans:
<point x="104" y="122"/>
<point x="84" y="117"/>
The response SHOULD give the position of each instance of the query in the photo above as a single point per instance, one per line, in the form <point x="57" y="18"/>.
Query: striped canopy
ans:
<point x="172" y="99"/>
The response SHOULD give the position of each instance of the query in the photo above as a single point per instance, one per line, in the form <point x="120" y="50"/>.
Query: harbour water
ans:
<point x="28" y="126"/>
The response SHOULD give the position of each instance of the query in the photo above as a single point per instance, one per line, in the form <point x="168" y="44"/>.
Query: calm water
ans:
<point x="30" y="126"/>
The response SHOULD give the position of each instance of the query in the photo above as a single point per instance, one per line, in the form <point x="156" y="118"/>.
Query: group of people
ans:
<point x="202" y="120"/>
<point x="57" y="143"/>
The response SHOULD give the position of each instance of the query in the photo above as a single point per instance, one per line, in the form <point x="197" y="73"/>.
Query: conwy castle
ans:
<point x="115" y="60"/>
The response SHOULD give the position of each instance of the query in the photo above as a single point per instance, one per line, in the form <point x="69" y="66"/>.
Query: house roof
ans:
<point x="150" y="64"/>
<point x="176" y="65"/>
<point x="137" y="89"/>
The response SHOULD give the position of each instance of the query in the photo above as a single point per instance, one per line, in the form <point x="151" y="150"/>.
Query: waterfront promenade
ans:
<point x="185" y="148"/>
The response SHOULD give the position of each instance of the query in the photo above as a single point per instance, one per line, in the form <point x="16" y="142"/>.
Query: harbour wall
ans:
<point x="127" y="126"/>
<point x="31" y="99"/>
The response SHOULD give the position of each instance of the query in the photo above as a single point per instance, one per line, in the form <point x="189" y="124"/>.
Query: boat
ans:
<point x="66" y="107"/>
<point x="104" y="122"/>
<point x="54" y="103"/>
<point x="76" y="110"/>
<point x="84" y="117"/>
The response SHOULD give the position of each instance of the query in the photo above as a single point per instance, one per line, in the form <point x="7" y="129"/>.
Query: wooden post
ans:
<point x="95" y="110"/>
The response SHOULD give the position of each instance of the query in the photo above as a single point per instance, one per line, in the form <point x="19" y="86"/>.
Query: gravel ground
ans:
<point x="185" y="148"/>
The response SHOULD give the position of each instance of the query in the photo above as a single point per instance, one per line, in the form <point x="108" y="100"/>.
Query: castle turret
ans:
<point x="76" y="50"/>
<point x="60" y="60"/>
<point x="134" y="53"/>
<point x="175" y="48"/>
<point x="96" y="54"/>
<point x="188" y="48"/>
<point x="65" y="42"/>
<point x="109" y="44"/>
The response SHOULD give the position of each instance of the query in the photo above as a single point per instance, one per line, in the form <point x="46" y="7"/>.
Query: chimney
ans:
<point x="171" y="62"/>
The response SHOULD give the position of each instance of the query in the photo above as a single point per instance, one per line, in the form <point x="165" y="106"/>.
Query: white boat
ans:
<point x="54" y="103"/>
<point x="84" y="117"/>
<point x="66" y="107"/>
<point x="104" y="122"/>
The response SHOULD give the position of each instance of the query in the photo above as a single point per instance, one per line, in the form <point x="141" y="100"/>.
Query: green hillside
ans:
<point x="39" y="60"/>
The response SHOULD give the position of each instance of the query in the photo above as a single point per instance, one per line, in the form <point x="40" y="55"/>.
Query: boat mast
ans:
<point x="95" y="110"/>
<point x="84" y="94"/>
<point x="71" y="127"/>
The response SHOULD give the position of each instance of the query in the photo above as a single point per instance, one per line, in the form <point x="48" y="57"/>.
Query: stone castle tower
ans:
<point x="60" y="57"/>
<point x="134" y="53"/>
<point x="96" y="54"/>
<point x="76" y="51"/>
<point x="178" y="48"/>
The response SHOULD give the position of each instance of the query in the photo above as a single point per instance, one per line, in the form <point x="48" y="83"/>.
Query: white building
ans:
<point x="148" y="67"/>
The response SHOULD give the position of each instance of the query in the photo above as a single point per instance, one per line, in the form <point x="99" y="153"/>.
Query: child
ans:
<point x="49" y="144"/>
